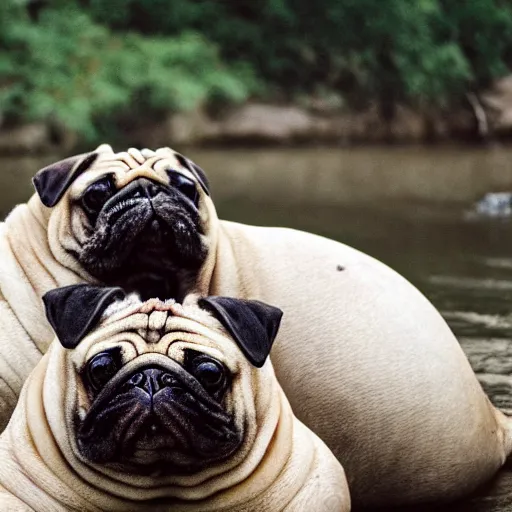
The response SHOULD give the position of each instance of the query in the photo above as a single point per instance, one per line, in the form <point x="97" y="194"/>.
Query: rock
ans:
<point x="260" y="122"/>
<point x="189" y="128"/>
<point x="147" y="133"/>
<point x="317" y="121"/>
<point x="493" y="204"/>
<point x="274" y="124"/>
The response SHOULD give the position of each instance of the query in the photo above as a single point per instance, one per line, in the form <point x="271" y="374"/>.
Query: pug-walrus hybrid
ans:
<point x="365" y="360"/>
<point x="161" y="408"/>
<point x="147" y="238"/>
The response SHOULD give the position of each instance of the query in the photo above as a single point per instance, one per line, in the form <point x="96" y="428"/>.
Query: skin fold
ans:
<point x="365" y="360"/>
<point x="278" y="464"/>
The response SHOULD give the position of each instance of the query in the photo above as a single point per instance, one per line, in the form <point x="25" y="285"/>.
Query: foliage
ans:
<point x="76" y="60"/>
<point x="424" y="51"/>
<point x="71" y="70"/>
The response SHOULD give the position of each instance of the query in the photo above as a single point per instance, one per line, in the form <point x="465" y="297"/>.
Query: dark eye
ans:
<point x="185" y="185"/>
<point x="96" y="195"/>
<point x="101" y="368"/>
<point x="209" y="372"/>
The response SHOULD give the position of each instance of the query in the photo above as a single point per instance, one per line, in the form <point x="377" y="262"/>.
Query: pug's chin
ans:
<point x="152" y="250"/>
<point x="158" y="458"/>
<point x="155" y="462"/>
<point x="160" y="279"/>
<point x="159" y="462"/>
<point x="150" y="285"/>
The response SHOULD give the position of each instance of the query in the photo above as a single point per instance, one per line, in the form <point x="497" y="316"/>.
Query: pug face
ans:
<point x="161" y="389"/>
<point x="131" y="219"/>
<point x="157" y="413"/>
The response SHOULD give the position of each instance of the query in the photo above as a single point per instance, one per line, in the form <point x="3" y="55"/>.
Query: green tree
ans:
<point x="423" y="51"/>
<point x="67" y="68"/>
<point x="82" y="61"/>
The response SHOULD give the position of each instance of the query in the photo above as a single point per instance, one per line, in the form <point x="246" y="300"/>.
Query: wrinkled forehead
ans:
<point x="155" y="318"/>
<point x="154" y="327"/>
<point x="132" y="164"/>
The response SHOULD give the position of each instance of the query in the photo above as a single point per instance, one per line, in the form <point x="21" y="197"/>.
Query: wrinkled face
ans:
<point x="159" y="388"/>
<point x="158" y="401"/>
<point x="135" y="221"/>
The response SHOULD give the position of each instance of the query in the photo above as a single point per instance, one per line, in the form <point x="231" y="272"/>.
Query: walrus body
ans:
<point x="365" y="360"/>
<point x="82" y="440"/>
<point x="368" y="364"/>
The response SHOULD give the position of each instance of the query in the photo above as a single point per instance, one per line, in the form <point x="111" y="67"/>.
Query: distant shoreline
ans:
<point x="257" y="124"/>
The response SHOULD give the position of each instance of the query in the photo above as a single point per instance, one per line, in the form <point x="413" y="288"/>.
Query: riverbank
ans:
<point x="258" y="124"/>
<point x="482" y="118"/>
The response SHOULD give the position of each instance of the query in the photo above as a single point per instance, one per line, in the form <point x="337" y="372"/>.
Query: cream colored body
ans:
<point x="281" y="465"/>
<point x="365" y="360"/>
<point x="28" y="269"/>
<point x="368" y="364"/>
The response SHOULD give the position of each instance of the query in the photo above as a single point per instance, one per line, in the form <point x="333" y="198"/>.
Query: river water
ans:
<point x="407" y="207"/>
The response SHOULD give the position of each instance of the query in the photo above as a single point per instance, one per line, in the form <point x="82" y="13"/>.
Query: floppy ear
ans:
<point x="74" y="310"/>
<point x="52" y="181"/>
<point x="252" y="324"/>
<point x="196" y="171"/>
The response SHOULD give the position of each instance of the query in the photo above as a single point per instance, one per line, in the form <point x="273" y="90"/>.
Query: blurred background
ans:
<point x="274" y="71"/>
<point x="381" y="124"/>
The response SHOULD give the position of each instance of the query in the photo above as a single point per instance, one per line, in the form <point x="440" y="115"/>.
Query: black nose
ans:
<point x="152" y="380"/>
<point x="142" y="187"/>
